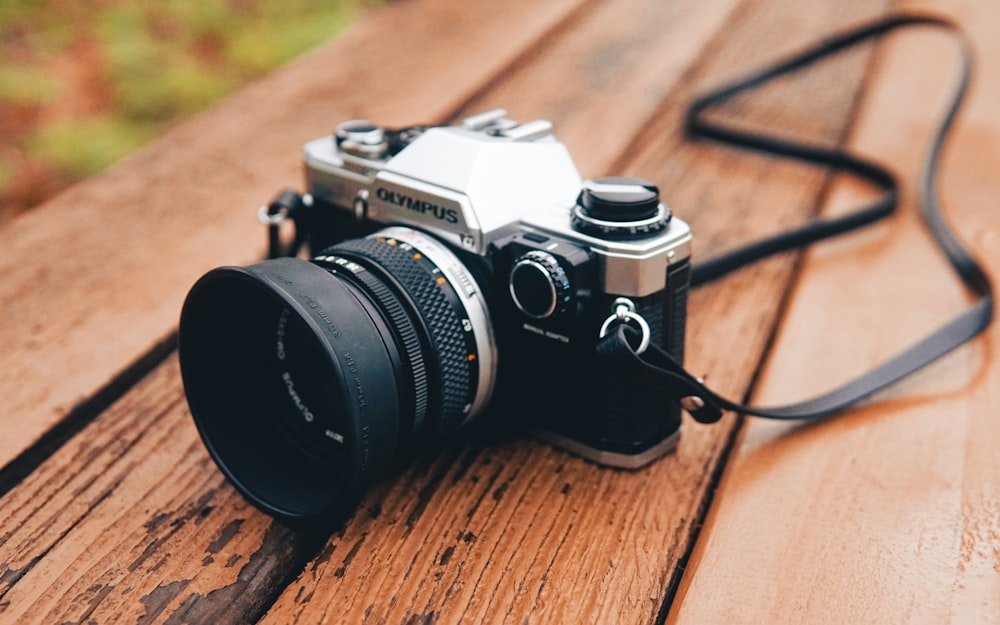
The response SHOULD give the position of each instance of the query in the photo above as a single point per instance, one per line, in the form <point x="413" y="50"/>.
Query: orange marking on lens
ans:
<point x="441" y="280"/>
<point x="472" y="356"/>
<point x="417" y="256"/>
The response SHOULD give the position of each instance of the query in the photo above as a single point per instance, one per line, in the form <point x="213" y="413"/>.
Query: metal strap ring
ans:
<point x="625" y="316"/>
<point x="266" y="217"/>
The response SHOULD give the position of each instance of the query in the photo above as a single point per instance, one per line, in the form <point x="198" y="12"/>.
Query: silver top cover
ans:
<point x="467" y="184"/>
<point x="461" y="184"/>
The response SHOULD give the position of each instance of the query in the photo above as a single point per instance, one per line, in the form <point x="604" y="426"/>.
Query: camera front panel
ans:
<point x="553" y="310"/>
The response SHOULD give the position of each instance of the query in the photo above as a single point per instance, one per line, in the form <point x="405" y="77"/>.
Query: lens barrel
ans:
<point x="306" y="379"/>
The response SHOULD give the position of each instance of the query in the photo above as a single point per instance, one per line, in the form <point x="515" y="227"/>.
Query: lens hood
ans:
<point x="292" y="379"/>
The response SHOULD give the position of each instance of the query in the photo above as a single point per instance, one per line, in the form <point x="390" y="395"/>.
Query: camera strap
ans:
<point x="653" y="367"/>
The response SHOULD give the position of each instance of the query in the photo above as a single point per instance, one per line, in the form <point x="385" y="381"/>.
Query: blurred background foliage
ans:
<point x="85" y="82"/>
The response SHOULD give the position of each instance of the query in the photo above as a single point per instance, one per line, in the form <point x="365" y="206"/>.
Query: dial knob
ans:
<point x="362" y="138"/>
<point x="539" y="285"/>
<point x="619" y="208"/>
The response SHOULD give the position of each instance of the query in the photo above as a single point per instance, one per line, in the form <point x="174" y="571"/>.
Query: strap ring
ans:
<point x="266" y="217"/>
<point x="624" y="312"/>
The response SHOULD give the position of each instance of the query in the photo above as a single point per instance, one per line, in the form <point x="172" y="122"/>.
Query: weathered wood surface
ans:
<point x="123" y="518"/>
<point x="891" y="513"/>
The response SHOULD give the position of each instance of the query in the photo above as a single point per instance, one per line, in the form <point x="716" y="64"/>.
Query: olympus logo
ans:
<point x="421" y="206"/>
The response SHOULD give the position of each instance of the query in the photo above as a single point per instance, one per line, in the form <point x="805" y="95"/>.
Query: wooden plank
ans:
<point x="91" y="535"/>
<point x="619" y="63"/>
<point x="481" y="528"/>
<point x="66" y="583"/>
<point x="890" y="513"/>
<point x="94" y="279"/>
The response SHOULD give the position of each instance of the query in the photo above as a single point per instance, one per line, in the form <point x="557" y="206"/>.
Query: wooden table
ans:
<point x="112" y="510"/>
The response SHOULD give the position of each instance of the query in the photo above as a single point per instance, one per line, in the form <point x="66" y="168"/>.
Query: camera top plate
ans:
<point x="464" y="183"/>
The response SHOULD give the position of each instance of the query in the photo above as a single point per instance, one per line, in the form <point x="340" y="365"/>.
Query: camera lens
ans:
<point x="307" y="379"/>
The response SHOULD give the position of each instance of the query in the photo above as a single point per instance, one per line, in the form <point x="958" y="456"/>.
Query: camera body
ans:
<point x="552" y="255"/>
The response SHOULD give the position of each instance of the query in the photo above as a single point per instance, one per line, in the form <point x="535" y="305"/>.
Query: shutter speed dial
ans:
<point x="539" y="285"/>
<point x="620" y="208"/>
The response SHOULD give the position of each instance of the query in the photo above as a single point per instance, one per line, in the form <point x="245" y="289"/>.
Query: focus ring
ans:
<point x="401" y="323"/>
<point x="448" y="341"/>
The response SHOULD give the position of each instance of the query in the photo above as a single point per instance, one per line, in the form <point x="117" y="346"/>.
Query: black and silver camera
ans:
<point x="455" y="271"/>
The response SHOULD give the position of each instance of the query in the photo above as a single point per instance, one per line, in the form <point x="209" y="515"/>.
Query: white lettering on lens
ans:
<point x="322" y="314"/>
<point x="306" y="413"/>
<point x="365" y="444"/>
<point x="282" y="321"/>
<point x="352" y="367"/>
<point x="362" y="403"/>
<point x="337" y="437"/>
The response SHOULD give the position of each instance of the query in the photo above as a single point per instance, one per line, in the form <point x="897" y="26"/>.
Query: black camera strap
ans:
<point x="655" y="368"/>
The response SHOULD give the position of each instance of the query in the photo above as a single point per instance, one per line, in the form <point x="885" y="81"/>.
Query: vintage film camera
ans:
<point x="456" y="271"/>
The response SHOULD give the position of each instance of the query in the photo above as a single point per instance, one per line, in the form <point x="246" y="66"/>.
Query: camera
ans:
<point x="454" y="272"/>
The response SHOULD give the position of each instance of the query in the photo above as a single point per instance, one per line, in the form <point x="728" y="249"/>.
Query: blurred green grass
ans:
<point x="85" y="82"/>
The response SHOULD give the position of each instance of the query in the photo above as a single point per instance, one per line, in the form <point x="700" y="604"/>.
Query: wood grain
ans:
<point x="892" y="512"/>
<point x="603" y="79"/>
<point x="94" y="279"/>
<point x="130" y="521"/>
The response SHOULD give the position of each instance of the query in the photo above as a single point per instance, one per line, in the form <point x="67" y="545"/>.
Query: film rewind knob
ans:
<point x="619" y="208"/>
